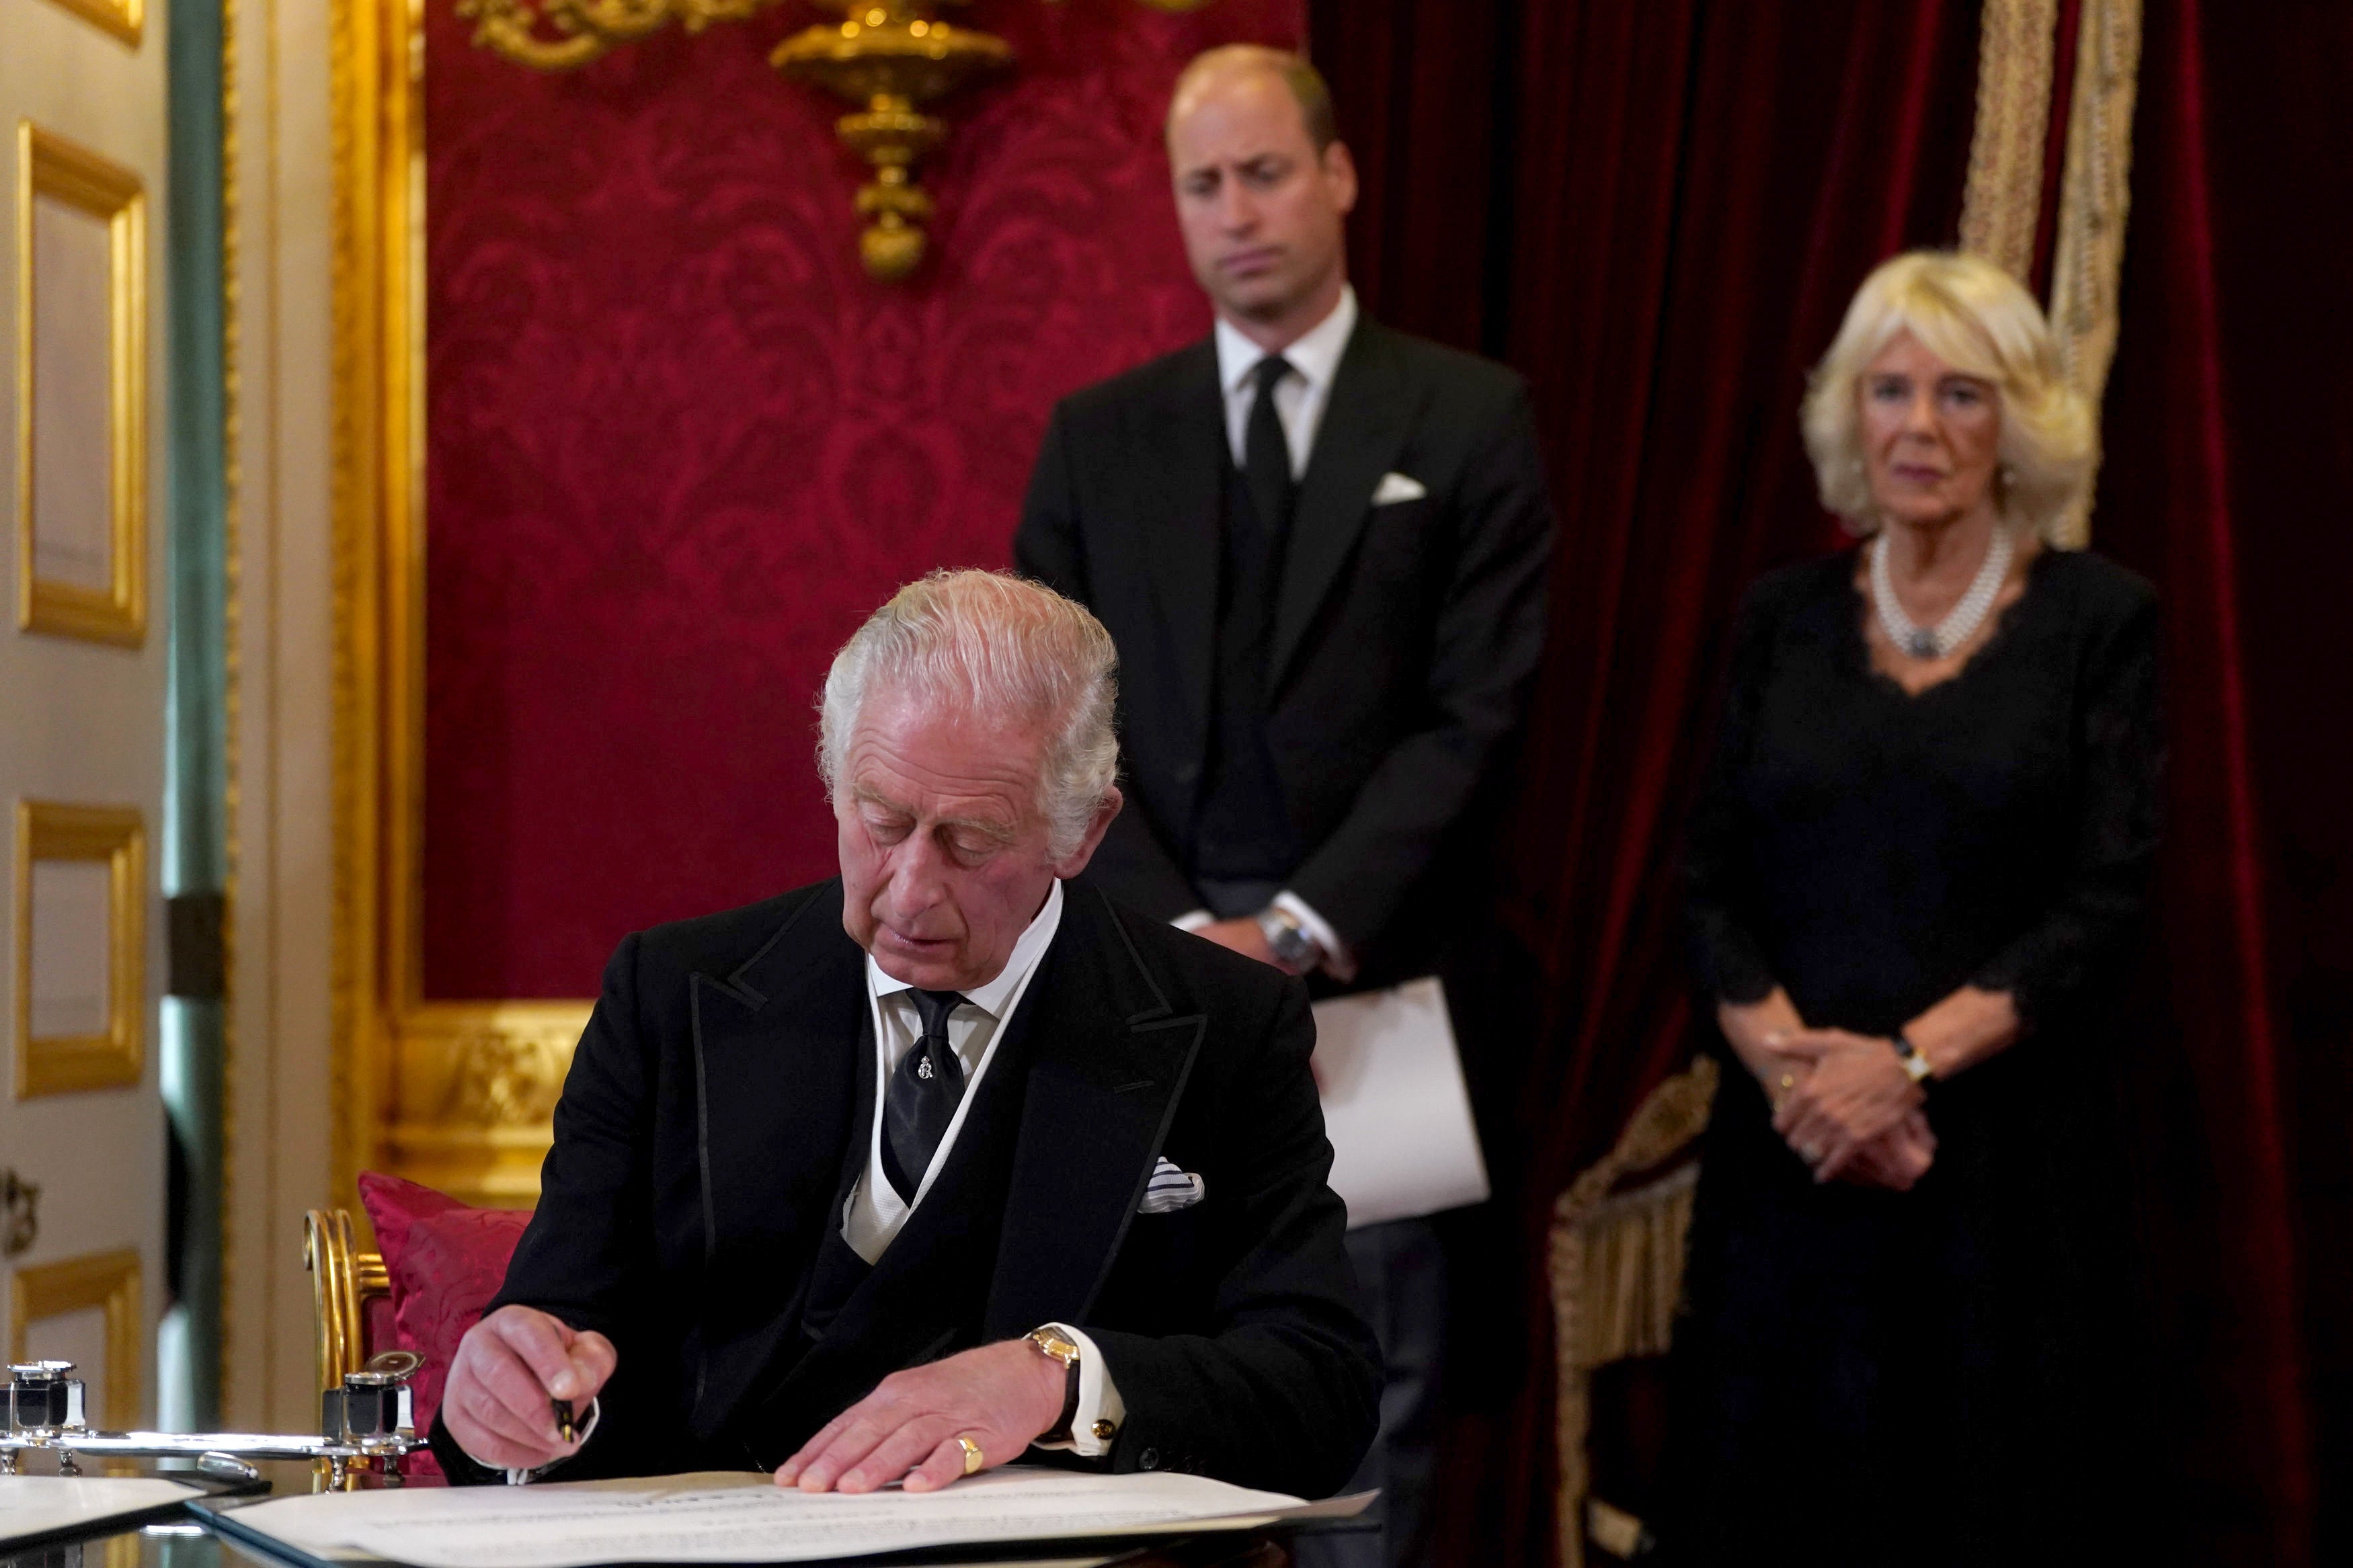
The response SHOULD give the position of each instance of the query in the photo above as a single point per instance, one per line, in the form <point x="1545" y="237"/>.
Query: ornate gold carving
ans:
<point x="563" y="34"/>
<point x="2095" y="198"/>
<point x="2003" y="201"/>
<point x="505" y="1079"/>
<point x="895" y="57"/>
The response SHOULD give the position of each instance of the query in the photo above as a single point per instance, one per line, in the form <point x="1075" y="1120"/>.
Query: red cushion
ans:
<point x="447" y="1259"/>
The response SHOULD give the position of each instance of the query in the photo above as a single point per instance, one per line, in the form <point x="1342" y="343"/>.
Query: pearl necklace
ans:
<point x="1939" y="641"/>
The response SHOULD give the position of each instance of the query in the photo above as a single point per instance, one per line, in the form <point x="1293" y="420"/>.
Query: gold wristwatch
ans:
<point x="1054" y="1346"/>
<point x="1914" y="1060"/>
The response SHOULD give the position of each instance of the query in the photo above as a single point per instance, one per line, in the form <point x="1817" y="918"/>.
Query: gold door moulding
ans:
<point x="50" y="167"/>
<point x="126" y="20"/>
<point x="114" y="1057"/>
<point x="891" y="60"/>
<point x="106" y="1281"/>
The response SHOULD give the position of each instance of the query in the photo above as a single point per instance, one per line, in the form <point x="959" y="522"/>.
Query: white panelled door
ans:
<point x="82" y="656"/>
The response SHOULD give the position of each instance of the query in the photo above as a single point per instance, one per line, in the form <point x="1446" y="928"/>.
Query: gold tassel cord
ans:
<point x="2003" y="200"/>
<point x="2095" y="198"/>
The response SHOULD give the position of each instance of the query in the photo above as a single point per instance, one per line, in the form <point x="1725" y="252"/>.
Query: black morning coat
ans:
<point x="719" y="1107"/>
<point x="1406" y="633"/>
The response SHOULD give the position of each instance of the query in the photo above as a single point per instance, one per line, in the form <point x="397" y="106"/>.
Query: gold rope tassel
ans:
<point x="2003" y="199"/>
<point x="2095" y="197"/>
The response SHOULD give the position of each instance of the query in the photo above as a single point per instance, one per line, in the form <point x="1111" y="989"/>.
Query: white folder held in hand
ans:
<point x="1395" y="1107"/>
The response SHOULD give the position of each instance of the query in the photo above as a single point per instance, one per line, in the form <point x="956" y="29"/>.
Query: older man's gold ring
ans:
<point x="972" y="1461"/>
<point x="1788" y="1081"/>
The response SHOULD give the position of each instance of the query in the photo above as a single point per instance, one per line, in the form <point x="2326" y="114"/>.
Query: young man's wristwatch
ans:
<point x="1288" y="940"/>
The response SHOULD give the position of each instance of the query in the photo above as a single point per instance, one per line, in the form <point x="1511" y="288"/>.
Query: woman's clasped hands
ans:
<point x="1844" y="1105"/>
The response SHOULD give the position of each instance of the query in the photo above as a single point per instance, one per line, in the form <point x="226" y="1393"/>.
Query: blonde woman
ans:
<point x="1923" y="850"/>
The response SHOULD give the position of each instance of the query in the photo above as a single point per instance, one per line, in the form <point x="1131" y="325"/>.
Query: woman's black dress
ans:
<point x="1865" y="1376"/>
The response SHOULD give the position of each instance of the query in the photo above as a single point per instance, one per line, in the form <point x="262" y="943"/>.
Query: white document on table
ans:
<point x="38" y="1505"/>
<point x="747" y="1518"/>
<point x="1395" y="1105"/>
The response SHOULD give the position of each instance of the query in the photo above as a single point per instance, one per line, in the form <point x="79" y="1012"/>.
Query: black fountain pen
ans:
<point x="562" y="1410"/>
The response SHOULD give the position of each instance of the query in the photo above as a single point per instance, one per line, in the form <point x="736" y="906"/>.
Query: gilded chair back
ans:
<point x="1617" y="1266"/>
<point x="343" y="1283"/>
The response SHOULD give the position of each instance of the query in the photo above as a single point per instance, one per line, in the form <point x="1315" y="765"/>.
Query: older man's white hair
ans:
<point x="998" y="645"/>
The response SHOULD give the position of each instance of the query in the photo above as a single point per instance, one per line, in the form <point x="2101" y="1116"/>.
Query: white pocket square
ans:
<point x="1394" y="488"/>
<point x="1171" y="1189"/>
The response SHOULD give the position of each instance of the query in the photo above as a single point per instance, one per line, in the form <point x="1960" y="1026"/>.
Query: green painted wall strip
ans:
<point x="195" y="836"/>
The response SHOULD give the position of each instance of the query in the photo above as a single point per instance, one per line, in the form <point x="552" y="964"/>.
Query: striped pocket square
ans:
<point x="1170" y="1189"/>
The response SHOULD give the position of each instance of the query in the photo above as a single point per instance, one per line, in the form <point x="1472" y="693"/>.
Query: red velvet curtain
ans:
<point x="2228" y="450"/>
<point x="1673" y="203"/>
<point x="1658" y="213"/>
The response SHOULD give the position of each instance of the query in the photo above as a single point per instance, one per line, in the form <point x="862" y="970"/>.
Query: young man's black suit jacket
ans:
<point x="720" y="1105"/>
<point x="1405" y="634"/>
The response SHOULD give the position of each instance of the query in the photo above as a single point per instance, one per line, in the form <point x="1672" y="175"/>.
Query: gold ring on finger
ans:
<point x="971" y="1454"/>
<point x="1788" y="1081"/>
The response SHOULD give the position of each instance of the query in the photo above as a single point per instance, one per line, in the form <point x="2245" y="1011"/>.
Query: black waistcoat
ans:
<point x="1241" y="830"/>
<point x="927" y="1295"/>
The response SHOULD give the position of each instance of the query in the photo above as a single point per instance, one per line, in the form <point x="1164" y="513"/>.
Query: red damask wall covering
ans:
<point x="679" y="444"/>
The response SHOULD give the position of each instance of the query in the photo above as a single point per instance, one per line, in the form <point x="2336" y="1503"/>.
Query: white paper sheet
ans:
<point x="732" y="1517"/>
<point x="36" y="1505"/>
<point x="1395" y="1107"/>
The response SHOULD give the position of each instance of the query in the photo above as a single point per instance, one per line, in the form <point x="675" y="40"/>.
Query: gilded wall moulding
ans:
<point x="892" y="60"/>
<point x="475" y="1087"/>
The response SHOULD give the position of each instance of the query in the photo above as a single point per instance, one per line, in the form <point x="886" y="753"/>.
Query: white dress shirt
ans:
<point x="875" y="1213"/>
<point x="1300" y="399"/>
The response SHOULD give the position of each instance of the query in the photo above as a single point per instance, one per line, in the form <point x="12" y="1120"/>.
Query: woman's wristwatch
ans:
<point x="1914" y="1060"/>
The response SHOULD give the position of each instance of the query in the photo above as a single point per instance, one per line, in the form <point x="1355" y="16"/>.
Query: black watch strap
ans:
<point x="1070" y="1400"/>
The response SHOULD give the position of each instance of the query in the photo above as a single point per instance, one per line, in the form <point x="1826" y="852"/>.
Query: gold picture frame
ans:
<point x="116" y="1056"/>
<point x="50" y="166"/>
<point x="126" y="20"/>
<point x="109" y="1281"/>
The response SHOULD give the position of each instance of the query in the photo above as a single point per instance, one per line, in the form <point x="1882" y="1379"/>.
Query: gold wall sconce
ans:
<point x="892" y="60"/>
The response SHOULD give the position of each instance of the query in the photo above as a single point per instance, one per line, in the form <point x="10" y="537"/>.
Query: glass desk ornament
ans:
<point x="365" y="1422"/>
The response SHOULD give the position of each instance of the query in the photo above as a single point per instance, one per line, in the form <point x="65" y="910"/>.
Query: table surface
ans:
<point x="190" y="1545"/>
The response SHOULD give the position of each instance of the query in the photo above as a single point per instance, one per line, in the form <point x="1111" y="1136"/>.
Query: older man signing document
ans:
<point x="913" y="1172"/>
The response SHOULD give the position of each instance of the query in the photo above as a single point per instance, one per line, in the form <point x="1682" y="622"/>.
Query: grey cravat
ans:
<point x="922" y="1102"/>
